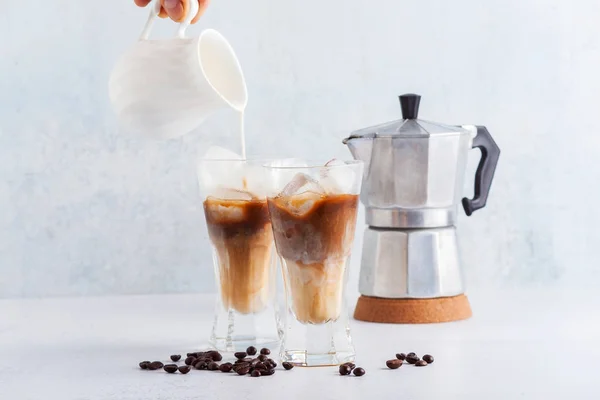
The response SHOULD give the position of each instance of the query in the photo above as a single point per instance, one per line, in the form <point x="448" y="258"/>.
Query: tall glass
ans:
<point x="239" y="229"/>
<point x="313" y="213"/>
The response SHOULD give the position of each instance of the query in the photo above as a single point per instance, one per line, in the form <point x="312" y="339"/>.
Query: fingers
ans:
<point x="201" y="10"/>
<point x="176" y="9"/>
<point x="142" y="3"/>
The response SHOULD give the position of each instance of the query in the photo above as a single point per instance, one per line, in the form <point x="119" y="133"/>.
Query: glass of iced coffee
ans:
<point x="313" y="214"/>
<point x="239" y="229"/>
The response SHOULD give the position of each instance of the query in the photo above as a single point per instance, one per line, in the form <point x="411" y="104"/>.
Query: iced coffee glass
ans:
<point x="313" y="214"/>
<point x="239" y="229"/>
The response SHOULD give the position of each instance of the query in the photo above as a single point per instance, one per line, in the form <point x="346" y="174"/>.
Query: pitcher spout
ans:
<point x="361" y="149"/>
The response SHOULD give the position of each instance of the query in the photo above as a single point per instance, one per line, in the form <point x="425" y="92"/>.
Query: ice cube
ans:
<point x="225" y="210"/>
<point x="284" y="171"/>
<point x="302" y="183"/>
<point x="221" y="153"/>
<point x="335" y="179"/>
<point x="302" y="203"/>
<point x="233" y="194"/>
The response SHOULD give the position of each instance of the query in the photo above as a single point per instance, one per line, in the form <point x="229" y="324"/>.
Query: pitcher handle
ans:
<point x="490" y="152"/>
<point x="194" y="6"/>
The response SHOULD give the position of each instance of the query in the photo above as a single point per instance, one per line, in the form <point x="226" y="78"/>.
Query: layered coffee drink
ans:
<point x="314" y="234"/>
<point x="241" y="234"/>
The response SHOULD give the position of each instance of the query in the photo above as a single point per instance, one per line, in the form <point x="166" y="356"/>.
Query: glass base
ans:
<point x="241" y="343"/>
<point x="233" y="331"/>
<point x="311" y="345"/>
<point x="302" y="358"/>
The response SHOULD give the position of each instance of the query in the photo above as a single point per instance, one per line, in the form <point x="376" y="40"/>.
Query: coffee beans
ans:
<point x="251" y="351"/>
<point x="351" y="365"/>
<point x="153" y="366"/>
<point x="226" y="367"/>
<point x="213" y="366"/>
<point x="258" y="366"/>
<point x="359" y="371"/>
<point x="243" y="370"/>
<point x="394" y="364"/>
<point x="412" y="359"/>
<point x="345" y="369"/>
<point x="201" y="365"/>
<point x="287" y="365"/>
<point x="170" y="368"/>
<point x="190" y="360"/>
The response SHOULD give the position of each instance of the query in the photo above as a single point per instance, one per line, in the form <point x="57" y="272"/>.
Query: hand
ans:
<point x="176" y="9"/>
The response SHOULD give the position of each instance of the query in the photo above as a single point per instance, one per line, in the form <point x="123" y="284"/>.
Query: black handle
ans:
<point x="410" y="105"/>
<point x="490" y="152"/>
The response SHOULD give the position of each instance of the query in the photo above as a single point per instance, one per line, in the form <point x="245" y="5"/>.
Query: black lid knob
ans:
<point x="410" y="105"/>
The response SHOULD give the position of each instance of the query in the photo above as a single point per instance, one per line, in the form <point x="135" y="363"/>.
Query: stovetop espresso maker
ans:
<point x="412" y="186"/>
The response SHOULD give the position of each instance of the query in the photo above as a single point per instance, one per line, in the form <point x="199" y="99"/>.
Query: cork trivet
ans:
<point x="412" y="311"/>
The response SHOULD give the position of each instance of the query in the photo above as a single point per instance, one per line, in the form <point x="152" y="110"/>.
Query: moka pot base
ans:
<point x="412" y="311"/>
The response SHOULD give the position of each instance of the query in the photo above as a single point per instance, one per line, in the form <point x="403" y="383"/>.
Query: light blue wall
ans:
<point x="85" y="210"/>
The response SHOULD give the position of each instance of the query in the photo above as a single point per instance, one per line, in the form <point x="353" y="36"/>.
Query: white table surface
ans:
<point x="525" y="344"/>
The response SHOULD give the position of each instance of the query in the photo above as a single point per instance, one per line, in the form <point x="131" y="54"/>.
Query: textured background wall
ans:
<point x="86" y="210"/>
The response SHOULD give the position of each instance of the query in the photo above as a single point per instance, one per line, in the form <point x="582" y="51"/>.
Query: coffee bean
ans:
<point x="213" y="366"/>
<point x="287" y="365"/>
<point x="213" y="355"/>
<point x="351" y="365"/>
<point x="267" y="372"/>
<point x="175" y="357"/>
<point x="428" y="358"/>
<point x="190" y="360"/>
<point x="263" y="358"/>
<point x="184" y="369"/>
<point x="240" y="366"/>
<point x="265" y="351"/>
<point x="170" y="368"/>
<point x="144" y="364"/>
<point x="359" y="371"/>
<point x="272" y="363"/>
<point x="226" y="367"/>
<point x="153" y="366"/>
<point x="345" y="369"/>
<point x="401" y="356"/>
<point x="240" y="354"/>
<point x="201" y="365"/>
<point x="412" y="359"/>
<point x="421" y="363"/>
<point x="393" y="364"/>
<point x="411" y="354"/>
<point x="255" y="373"/>
<point x="243" y="370"/>
<point x="260" y="365"/>
<point x="251" y="351"/>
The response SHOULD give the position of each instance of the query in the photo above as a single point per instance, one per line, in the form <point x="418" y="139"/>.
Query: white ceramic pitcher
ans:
<point x="166" y="88"/>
